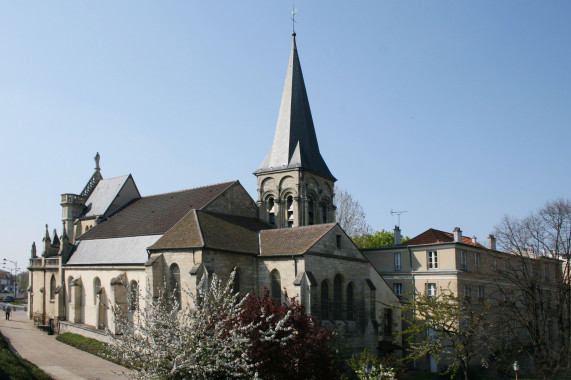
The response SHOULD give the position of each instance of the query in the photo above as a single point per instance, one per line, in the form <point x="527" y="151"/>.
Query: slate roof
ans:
<point x="155" y="214"/>
<point x="292" y="241"/>
<point x="115" y="251"/>
<point x="432" y="236"/>
<point x="214" y="231"/>
<point x="295" y="143"/>
<point x="103" y="195"/>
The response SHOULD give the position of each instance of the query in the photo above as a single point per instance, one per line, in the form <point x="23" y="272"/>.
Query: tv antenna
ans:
<point x="398" y="213"/>
<point x="293" y="12"/>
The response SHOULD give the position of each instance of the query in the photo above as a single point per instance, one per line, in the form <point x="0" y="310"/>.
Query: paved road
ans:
<point x="57" y="359"/>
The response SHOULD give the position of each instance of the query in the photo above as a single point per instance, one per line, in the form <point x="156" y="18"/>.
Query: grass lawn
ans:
<point x="93" y="346"/>
<point x="13" y="367"/>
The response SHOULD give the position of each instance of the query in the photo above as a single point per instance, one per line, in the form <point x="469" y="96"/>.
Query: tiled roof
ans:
<point x="432" y="236"/>
<point x="156" y="214"/>
<point x="214" y="231"/>
<point x="292" y="241"/>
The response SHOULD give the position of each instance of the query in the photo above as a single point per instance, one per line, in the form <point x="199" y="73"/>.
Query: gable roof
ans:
<point x="155" y="214"/>
<point x="432" y="236"/>
<point x="295" y="142"/>
<point x="292" y="241"/>
<point x="103" y="195"/>
<point x="215" y="231"/>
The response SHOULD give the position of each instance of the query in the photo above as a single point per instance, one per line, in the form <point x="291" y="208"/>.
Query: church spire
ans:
<point x="295" y="143"/>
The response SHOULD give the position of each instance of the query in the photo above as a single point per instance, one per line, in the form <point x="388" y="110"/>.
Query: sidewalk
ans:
<point x="57" y="359"/>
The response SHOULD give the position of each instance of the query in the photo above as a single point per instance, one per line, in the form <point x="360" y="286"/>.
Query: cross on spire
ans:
<point x="293" y="12"/>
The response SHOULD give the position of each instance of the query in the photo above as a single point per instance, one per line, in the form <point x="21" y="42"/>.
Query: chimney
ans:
<point x="474" y="239"/>
<point x="397" y="240"/>
<point x="492" y="242"/>
<point x="457" y="235"/>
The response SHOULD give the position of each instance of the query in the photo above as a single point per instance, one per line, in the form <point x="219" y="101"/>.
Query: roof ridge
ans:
<point x="119" y="176"/>
<point x="192" y="188"/>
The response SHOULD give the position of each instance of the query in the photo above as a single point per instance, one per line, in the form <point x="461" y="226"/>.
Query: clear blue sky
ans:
<point x="457" y="112"/>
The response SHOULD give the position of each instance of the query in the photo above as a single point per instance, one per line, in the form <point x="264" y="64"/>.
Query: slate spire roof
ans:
<point x="295" y="143"/>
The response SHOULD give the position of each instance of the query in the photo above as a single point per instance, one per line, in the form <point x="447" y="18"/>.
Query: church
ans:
<point x="116" y="242"/>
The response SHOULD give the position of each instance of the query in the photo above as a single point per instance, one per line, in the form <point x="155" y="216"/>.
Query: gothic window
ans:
<point x="289" y="204"/>
<point x="175" y="283"/>
<point x="134" y="296"/>
<point x="337" y="298"/>
<point x="310" y="212"/>
<point x="53" y="287"/>
<point x="476" y="260"/>
<point x="96" y="289"/>
<point x="324" y="300"/>
<point x="276" y="286"/>
<point x="272" y="212"/>
<point x="372" y="304"/>
<point x="350" y="303"/>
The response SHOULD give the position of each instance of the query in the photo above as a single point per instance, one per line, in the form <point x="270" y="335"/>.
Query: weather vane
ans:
<point x="293" y="12"/>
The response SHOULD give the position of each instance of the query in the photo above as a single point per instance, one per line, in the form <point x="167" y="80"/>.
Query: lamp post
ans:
<point x="516" y="368"/>
<point x="15" y="274"/>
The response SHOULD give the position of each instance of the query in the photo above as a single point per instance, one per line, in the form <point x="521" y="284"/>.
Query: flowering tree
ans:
<point x="161" y="340"/>
<point x="306" y="354"/>
<point x="368" y="367"/>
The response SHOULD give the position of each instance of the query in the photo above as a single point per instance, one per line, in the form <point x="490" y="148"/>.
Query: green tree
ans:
<point x="447" y="327"/>
<point x="380" y="238"/>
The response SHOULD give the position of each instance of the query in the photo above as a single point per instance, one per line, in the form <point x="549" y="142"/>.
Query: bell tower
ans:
<point x="295" y="186"/>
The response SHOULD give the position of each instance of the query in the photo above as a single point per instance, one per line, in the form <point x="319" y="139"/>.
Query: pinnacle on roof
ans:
<point x="94" y="180"/>
<point x="295" y="143"/>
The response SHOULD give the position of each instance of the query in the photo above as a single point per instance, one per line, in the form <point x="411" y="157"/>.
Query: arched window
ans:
<point x="134" y="296"/>
<point x="276" y="286"/>
<point x="175" y="283"/>
<point x="96" y="289"/>
<point x="310" y="212"/>
<point x="289" y="204"/>
<point x="53" y="287"/>
<point x="272" y="212"/>
<point x="350" y="302"/>
<point x="337" y="298"/>
<point x="324" y="300"/>
<point x="324" y="213"/>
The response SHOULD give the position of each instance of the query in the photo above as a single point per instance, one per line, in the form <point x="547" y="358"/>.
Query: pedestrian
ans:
<point x="8" y="311"/>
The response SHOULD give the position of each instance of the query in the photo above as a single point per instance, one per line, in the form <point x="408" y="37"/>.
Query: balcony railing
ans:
<point x="52" y="262"/>
<point x="36" y="263"/>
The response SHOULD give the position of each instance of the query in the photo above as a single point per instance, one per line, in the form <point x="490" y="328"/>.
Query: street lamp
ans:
<point x="516" y="368"/>
<point x="15" y="274"/>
